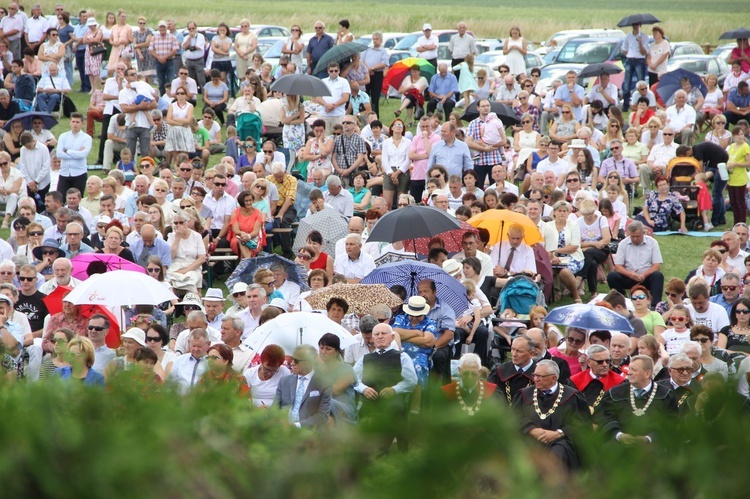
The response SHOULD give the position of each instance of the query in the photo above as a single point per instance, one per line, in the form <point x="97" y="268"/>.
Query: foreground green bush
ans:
<point x="60" y="440"/>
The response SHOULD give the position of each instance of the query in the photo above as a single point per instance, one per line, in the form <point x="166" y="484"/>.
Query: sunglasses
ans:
<point x="572" y="180"/>
<point x="728" y="288"/>
<point x="668" y="134"/>
<point x="96" y="328"/>
<point x="154" y="339"/>
<point x="19" y="227"/>
<point x="682" y="370"/>
<point x="36" y="233"/>
<point x="673" y="295"/>
<point x="702" y="340"/>
<point x="525" y="122"/>
<point x="602" y="362"/>
<point x="742" y="311"/>
<point x="178" y="222"/>
<point x="304" y="256"/>
<point x="27" y="279"/>
<point x="566" y="112"/>
<point x="575" y="341"/>
<point x="220" y="184"/>
<point x="270" y="283"/>
<point x="638" y="297"/>
<point x="50" y="252"/>
<point x="236" y="295"/>
<point x="153" y="270"/>
<point x="677" y="319"/>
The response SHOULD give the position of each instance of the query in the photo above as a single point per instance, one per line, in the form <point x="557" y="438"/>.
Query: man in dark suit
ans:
<point x="595" y="381"/>
<point x="628" y="409"/>
<point x="539" y="337"/>
<point x="681" y="382"/>
<point x="305" y="396"/>
<point x="512" y="377"/>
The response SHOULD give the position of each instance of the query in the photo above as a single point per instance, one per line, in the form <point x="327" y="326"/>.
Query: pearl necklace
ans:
<point x="554" y="406"/>
<point x="470" y="410"/>
<point x="641" y="412"/>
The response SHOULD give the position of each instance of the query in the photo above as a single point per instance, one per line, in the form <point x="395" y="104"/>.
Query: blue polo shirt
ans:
<point x="316" y="47"/>
<point x="456" y="158"/>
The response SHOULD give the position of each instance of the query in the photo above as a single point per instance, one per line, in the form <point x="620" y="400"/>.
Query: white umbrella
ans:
<point x="121" y="288"/>
<point x="298" y="328"/>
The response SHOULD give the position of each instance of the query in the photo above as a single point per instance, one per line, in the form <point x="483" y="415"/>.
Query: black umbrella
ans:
<point x="412" y="222"/>
<point x="27" y="118"/>
<point x="735" y="34"/>
<point x="598" y="69"/>
<point x="503" y="111"/>
<point x="339" y="53"/>
<point x="638" y="19"/>
<point x="301" y="84"/>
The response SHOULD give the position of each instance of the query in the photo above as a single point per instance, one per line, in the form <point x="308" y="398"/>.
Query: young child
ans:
<point x="493" y="131"/>
<point x="144" y="93"/>
<point x="474" y="309"/>
<point x="126" y="164"/>
<point x="705" y="204"/>
<point x="613" y="194"/>
<point x="232" y="144"/>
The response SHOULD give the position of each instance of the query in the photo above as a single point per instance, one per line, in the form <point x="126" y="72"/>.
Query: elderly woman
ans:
<point x="264" y="378"/>
<point x="57" y="359"/>
<point x="36" y="235"/>
<point x="567" y="260"/>
<point x="220" y="372"/>
<point x="719" y="134"/>
<point x="188" y="254"/>
<point x="571" y="351"/>
<point x="132" y="340"/>
<point x="412" y="93"/>
<point x="113" y="244"/>
<point x="70" y="318"/>
<point x="339" y="376"/>
<point x="661" y="207"/>
<point x="710" y="270"/>
<point x="81" y="358"/>
<point x="653" y="321"/>
<point x="595" y="239"/>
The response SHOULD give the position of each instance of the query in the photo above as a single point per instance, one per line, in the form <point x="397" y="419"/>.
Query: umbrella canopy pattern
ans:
<point x="598" y="69"/>
<point x="300" y="328"/>
<point x="27" y="118"/>
<point x="735" y="34"/>
<point x="331" y="225"/>
<point x="360" y="297"/>
<point x="301" y="84"/>
<point x="302" y="201"/>
<point x="400" y="69"/>
<point x="503" y="111"/>
<point x="499" y="221"/>
<point x="87" y="264"/>
<point x="121" y="288"/>
<point x="410" y="273"/>
<point x="392" y="258"/>
<point x="247" y="268"/>
<point x="591" y="317"/>
<point x="339" y="54"/>
<point x="638" y="19"/>
<point x="669" y="83"/>
<point x="412" y="222"/>
<point x="451" y="240"/>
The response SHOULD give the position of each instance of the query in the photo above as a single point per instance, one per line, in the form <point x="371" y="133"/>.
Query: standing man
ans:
<point x="36" y="28"/>
<point x="317" y="46"/>
<point x="163" y="48"/>
<point x="450" y="152"/>
<point x="489" y="155"/>
<point x="376" y="61"/>
<point x="73" y="148"/>
<point x="461" y="45"/>
<point x="11" y="30"/>
<point x="172" y="27"/>
<point x="136" y="119"/>
<point x="334" y="107"/>
<point x="111" y="95"/>
<point x="34" y="165"/>
<point x="349" y="150"/>
<point x="194" y="47"/>
<point x="427" y="46"/>
<point x="78" y="33"/>
<point x="443" y="88"/>
<point x="635" y="49"/>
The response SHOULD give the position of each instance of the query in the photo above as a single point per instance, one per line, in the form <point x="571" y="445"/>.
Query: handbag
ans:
<point x="69" y="53"/>
<point x="68" y="106"/>
<point x="97" y="48"/>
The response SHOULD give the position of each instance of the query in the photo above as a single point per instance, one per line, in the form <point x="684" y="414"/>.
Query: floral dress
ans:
<point x="293" y="135"/>
<point x="50" y="49"/>
<point x="661" y="211"/>
<point x="419" y="355"/>
<point x="93" y="62"/>
<point x="574" y="266"/>
<point x="146" y="66"/>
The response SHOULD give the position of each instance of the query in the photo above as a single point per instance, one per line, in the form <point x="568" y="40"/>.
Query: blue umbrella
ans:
<point x="591" y="317"/>
<point x="409" y="273"/>
<point x="247" y="268"/>
<point x="669" y="83"/>
<point x="26" y="118"/>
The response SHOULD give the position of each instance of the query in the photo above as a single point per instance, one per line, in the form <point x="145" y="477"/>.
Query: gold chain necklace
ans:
<point x="597" y="401"/>
<point x="470" y="410"/>
<point x="507" y="390"/>
<point x="554" y="406"/>
<point x="683" y="399"/>
<point x="641" y="412"/>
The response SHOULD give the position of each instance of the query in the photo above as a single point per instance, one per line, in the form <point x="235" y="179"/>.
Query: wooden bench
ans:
<point x="220" y="255"/>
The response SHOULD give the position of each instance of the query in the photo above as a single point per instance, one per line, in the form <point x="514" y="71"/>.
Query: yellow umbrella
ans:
<point x="497" y="222"/>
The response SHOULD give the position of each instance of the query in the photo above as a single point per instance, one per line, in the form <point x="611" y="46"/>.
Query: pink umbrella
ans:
<point x="451" y="240"/>
<point x="88" y="264"/>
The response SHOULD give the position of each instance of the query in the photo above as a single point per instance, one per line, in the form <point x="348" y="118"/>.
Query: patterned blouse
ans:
<point x="660" y="211"/>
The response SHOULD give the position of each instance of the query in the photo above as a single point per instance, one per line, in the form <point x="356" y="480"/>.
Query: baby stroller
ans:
<point x="250" y="125"/>
<point x="25" y="92"/>
<point x="681" y="172"/>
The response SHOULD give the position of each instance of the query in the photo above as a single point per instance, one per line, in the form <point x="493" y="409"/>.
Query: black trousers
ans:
<point x="480" y="341"/>
<point x="448" y="106"/>
<point x="441" y="363"/>
<point x="654" y="283"/>
<point x="65" y="183"/>
<point x="374" y="90"/>
<point x="285" y="238"/>
<point x="592" y="258"/>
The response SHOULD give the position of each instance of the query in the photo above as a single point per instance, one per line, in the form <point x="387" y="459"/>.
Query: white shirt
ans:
<point x="424" y="41"/>
<point x="396" y="157"/>
<point x="560" y="167"/>
<point x="680" y="118"/>
<point x="199" y="43"/>
<point x="250" y="323"/>
<point x="338" y="87"/>
<point x="51" y="285"/>
<point x="662" y="153"/>
<point x="111" y="87"/>
<point x="264" y="391"/>
<point x="243" y="355"/>
<point x="523" y="259"/>
<point x="715" y="317"/>
<point x="484" y="258"/>
<point x="343" y="202"/>
<point x="632" y="44"/>
<point x="190" y="83"/>
<point x="222" y="207"/>
<point x="506" y="187"/>
<point x="354" y="269"/>
<point x="34" y="165"/>
<point x="637" y="95"/>
<point x="37" y="28"/>
<point x="597" y="94"/>
<point x="290" y="290"/>
<point x="215" y="129"/>
<point x="187" y="371"/>
<point x="138" y="119"/>
<point x="182" y="345"/>
<point x="738" y="262"/>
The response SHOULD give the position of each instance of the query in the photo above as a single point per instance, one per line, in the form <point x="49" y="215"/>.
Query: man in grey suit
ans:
<point x="303" y="394"/>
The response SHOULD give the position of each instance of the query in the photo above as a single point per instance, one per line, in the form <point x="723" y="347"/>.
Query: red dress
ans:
<point x="704" y="197"/>
<point x="321" y="262"/>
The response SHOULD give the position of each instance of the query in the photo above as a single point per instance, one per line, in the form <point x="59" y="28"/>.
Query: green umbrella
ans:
<point x="339" y="54"/>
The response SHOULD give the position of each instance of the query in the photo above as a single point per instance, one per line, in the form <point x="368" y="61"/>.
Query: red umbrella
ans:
<point x="451" y="240"/>
<point x="54" y="300"/>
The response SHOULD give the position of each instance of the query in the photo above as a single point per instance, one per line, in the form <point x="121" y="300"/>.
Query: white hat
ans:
<point x="577" y="144"/>
<point x="426" y="26"/>
<point x="91" y="21"/>
<point x="453" y="267"/>
<point x="214" y="294"/>
<point x="103" y="219"/>
<point x="279" y="303"/>
<point x="239" y="287"/>
<point x="6" y="299"/>
<point x="438" y="192"/>
<point x="137" y="334"/>
<point x="161" y="23"/>
<point x="192" y="299"/>
<point x="416" y="306"/>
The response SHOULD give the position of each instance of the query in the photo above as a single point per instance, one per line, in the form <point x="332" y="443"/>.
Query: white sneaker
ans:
<point x="708" y="227"/>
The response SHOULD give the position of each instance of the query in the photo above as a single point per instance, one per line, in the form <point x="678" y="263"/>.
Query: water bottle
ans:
<point x="723" y="173"/>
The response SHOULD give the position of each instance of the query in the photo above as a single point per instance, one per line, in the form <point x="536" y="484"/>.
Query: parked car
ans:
<point x="496" y="57"/>
<point x="702" y="65"/>
<point x="266" y="30"/>
<point x="590" y="51"/>
<point x="492" y="44"/>
<point x="409" y="41"/>
<point x="724" y="51"/>
<point x="685" y="48"/>
<point x="558" y="71"/>
<point x="562" y="37"/>
<point x="389" y="40"/>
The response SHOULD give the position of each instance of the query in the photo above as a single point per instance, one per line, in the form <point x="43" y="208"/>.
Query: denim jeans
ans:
<point x="46" y="103"/>
<point x="632" y="65"/>
<point x="718" y="216"/>
<point x="164" y="74"/>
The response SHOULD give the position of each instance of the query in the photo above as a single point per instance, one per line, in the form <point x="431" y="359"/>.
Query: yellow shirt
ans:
<point x="738" y="177"/>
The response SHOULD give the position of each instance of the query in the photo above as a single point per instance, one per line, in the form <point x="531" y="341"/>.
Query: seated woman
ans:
<point x="661" y="207"/>
<point x="113" y="245"/>
<point x="710" y="270"/>
<point x="263" y="379"/>
<point x="57" y="359"/>
<point x="595" y="238"/>
<point x="653" y="321"/>
<point x="339" y="376"/>
<point x="247" y="236"/>
<point x="220" y="373"/>
<point x="321" y="260"/>
<point x="81" y="352"/>
<point x="360" y="193"/>
<point x="572" y="349"/>
<point x="188" y="254"/>
<point x="568" y="247"/>
<point x="736" y="336"/>
<point x="675" y="291"/>
<point x="412" y="93"/>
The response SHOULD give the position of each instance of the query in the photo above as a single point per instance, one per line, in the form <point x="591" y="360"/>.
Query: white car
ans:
<point x="562" y="37"/>
<point x="268" y="30"/>
<point x="495" y="58"/>
<point x="390" y="40"/>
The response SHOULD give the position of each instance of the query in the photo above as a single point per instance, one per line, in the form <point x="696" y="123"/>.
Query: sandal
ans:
<point x="578" y="300"/>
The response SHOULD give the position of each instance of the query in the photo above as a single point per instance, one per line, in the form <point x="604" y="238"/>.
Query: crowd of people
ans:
<point x="572" y="166"/>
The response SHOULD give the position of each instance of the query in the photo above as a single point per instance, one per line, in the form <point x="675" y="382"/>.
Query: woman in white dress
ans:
<point x="514" y="50"/>
<point x="188" y="255"/>
<point x="179" y="135"/>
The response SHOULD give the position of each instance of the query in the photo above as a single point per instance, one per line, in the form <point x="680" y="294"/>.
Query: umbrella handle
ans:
<point x="300" y="336"/>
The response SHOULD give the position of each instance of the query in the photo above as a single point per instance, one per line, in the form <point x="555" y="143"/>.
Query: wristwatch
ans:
<point x="562" y="433"/>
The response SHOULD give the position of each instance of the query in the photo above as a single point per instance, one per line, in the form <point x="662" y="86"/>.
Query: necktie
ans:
<point x="547" y="392"/>
<point x="294" y="413"/>
<point x="195" y="371"/>
<point x="381" y="351"/>
<point x="510" y="259"/>
<point x="520" y="370"/>
<point x="639" y="393"/>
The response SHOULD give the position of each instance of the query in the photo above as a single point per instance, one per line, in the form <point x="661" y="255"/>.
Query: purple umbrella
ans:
<point x="87" y="264"/>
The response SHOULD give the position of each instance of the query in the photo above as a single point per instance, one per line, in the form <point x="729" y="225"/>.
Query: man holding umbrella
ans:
<point x="635" y="49"/>
<point x="489" y="155"/>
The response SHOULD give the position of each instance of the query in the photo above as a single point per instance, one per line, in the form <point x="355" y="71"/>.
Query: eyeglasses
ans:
<point x="268" y="151"/>
<point x="146" y="165"/>
<point x="153" y="270"/>
<point x="214" y="357"/>
<point x="677" y="319"/>
<point x="614" y="125"/>
<point x="220" y="184"/>
<point x="638" y="297"/>
<point x="186" y="169"/>
<point x="304" y="256"/>
<point x="722" y="251"/>
<point x="50" y="252"/>
<point x="96" y="328"/>
<point x="436" y="176"/>
<point x="36" y="233"/>
<point x="528" y="86"/>
<point x="523" y="98"/>
<point x="543" y="375"/>
<point x="333" y="70"/>
<point x="480" y="77"/>
<point x="673" y="295"/>
<point x="728" y="288"/>
<point x="269" y="284"/>
<point x="295" y="30"/>
<point x="721" y="122"/>
<point x="27" y="279"/>
<point x="742" y="311"/>
<point x="574" y="341"/>
<point x="503" y="70"/>
<point x="153" y="339"/>
<point x="4" y="163"/>
<point x="702" y="340"/>
<point x="19" y="227"/>
<point x="348" y="123"/>
<point x="526" y="122"/>
<point x="667" y="134"/>
<point x="401" y="205"/>
<point x="614" y="176"/>
<point x="601" y="362"/>
<point x="572" y="180"/>
<point x="178" y="222"/>
<point x="682" y="370"/>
